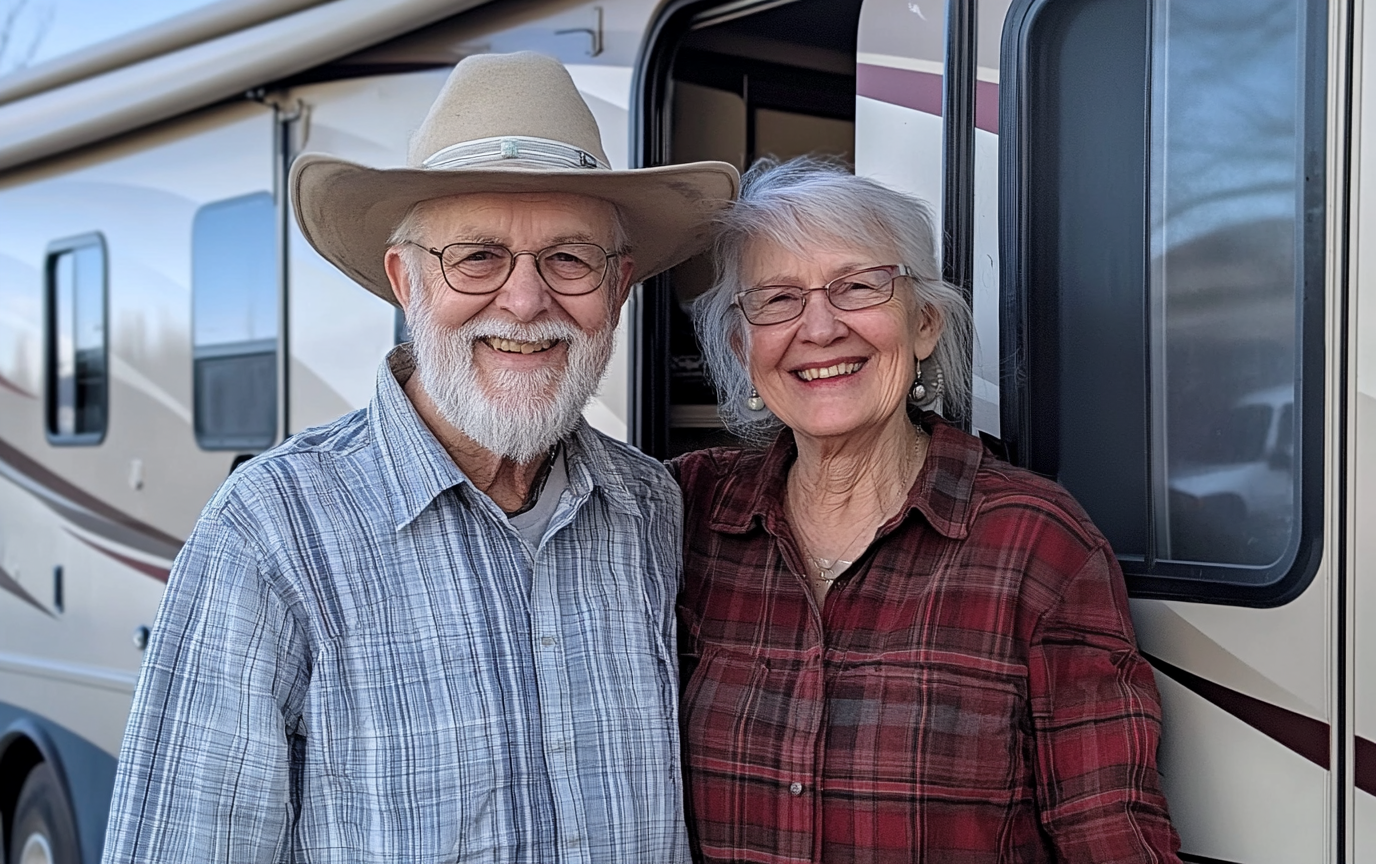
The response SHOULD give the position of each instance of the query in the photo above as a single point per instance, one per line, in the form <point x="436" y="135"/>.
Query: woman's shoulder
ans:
<point x="705" y="468"/>
<point x="1004" y="490"/>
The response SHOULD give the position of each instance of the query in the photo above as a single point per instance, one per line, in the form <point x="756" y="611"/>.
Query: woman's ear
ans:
<point x="738" y="348"/>
<point x="927" y="333"/>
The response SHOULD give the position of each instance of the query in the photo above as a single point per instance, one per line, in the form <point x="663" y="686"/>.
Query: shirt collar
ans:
<point x="944" y="492"/>
<point x="417" y="468"/>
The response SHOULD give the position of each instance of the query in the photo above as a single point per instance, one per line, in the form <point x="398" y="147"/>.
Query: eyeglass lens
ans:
<point x="775" y="304"/>
<point x="567" y="268"/>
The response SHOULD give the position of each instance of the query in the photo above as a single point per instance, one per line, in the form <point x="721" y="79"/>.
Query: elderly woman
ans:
<point x="901" y="649"/>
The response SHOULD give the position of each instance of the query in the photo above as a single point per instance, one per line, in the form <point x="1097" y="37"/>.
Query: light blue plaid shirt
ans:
<point x="359" y="659"/>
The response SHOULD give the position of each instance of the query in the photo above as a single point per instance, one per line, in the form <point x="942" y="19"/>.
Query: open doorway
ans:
<point x="733" y="82"/>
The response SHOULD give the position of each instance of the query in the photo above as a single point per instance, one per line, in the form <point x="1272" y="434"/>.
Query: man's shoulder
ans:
<point x="642" y="475"/>
<point x="301" y="468"/>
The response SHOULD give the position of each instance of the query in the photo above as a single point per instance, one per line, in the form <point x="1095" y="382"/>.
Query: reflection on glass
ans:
<point x="77" y="406"/>
<point x="235" y="323"/>
<point x="1226" y="218"/>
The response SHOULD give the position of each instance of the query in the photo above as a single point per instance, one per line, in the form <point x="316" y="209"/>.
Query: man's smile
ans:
<point x="516" y="346"/>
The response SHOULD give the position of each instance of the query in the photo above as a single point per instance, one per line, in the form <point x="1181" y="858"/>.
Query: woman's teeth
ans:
<point x="829" y="371"/>
<point x="511" y="346"/>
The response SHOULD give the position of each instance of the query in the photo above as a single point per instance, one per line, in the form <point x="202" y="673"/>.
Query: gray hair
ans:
<point x="795" y="204"/>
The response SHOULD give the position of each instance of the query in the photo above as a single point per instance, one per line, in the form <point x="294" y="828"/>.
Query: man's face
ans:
<point x="512" y="369"/>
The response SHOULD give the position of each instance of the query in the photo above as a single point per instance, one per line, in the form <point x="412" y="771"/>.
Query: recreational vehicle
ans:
<point x="1160" y="210"/>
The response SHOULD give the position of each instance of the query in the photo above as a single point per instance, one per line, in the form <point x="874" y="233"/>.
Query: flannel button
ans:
<point x="795" y="788"/>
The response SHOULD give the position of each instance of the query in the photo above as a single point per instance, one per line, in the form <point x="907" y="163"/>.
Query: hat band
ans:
<point x="541" y="151"/>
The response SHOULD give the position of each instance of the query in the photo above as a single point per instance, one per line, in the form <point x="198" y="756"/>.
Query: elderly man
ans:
<point x="442" y="628"/>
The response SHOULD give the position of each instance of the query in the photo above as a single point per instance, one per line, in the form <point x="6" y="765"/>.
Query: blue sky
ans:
<point x="64" y="26"/>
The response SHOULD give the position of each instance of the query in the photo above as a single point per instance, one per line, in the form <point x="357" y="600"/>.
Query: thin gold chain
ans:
<point x="822" y="571"/>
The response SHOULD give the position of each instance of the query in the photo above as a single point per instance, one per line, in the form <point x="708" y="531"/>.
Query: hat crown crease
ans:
<point x="521" y="95"/>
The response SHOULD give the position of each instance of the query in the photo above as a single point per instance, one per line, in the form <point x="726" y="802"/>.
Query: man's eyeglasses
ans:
<point x="482" y="268"/>
<point x="776" y="304"/>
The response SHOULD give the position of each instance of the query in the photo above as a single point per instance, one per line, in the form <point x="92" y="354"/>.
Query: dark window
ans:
<point x="235" y="314"/>
<point x="400" y="332"/>
<point x="77" y="352"/>
<point x="1164" y="265"/>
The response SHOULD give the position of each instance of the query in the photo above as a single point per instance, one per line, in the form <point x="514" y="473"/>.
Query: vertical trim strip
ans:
<point x="958" y="182"/>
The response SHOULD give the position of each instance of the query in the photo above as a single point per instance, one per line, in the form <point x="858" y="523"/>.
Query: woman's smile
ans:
<point x="839" y="369"/>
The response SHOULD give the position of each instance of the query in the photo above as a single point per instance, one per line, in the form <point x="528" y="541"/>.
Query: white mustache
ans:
<point x="560" y="331"/>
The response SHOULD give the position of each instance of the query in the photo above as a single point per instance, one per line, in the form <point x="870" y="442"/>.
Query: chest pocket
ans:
<point x="933" y="723"/>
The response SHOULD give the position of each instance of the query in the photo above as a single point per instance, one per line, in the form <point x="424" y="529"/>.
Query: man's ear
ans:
<point x="397" y="274"/>
<point x="616" y="299"/>
<point x="624" y="284"/>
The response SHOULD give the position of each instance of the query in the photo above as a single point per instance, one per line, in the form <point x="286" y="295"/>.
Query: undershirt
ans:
<point x="533" y="522"/>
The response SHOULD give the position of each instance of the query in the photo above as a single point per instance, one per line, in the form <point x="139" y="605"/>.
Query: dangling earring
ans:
<point x="919" y="391"/>
<point x="754" y="402"/>
<point x="923" y="395"/>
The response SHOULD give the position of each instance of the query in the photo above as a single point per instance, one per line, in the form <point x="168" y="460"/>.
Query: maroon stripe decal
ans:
<point x="41" y="476"/>
<point x="1364" y="766"/>
<point x="1304" y="735"/>
<point x="7" y="384"/>
<point x="158" y="573"/>
<point x="921" y="91"/>
<point x="8" y="583"/>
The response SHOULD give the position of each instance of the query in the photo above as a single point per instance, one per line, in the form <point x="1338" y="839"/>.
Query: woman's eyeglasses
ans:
<point x="776" y="304"/>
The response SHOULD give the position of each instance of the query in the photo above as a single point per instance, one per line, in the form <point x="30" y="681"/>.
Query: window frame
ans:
<point x="54" y="250"/>
<point x="1020" y="373"/>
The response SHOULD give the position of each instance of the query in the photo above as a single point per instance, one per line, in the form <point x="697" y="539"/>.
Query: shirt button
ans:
<point x="547" y="640"/>
<point x="795" y="788"/>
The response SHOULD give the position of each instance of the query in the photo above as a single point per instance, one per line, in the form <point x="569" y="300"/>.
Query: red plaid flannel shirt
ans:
<point x="970" y="691"/>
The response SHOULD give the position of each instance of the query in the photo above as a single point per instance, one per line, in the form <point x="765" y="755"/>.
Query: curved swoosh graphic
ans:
<point x="1304" y="735"/>
<point x="7" y="384"/>
<point x="82" y="508"/>
<point x="10" y="584"/>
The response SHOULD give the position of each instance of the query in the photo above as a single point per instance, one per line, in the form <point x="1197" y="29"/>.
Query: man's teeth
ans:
<point x="829" y="371"/>
<point x="511" y="346"/>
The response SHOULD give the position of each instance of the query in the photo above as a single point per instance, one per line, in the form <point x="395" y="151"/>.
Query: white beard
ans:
<point x="515" y="415"/>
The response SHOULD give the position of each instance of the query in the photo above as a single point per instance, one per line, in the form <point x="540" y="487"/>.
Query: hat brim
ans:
<point x="348" y="211"/>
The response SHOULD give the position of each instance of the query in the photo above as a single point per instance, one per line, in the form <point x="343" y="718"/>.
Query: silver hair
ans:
<point x="796" y="204"/>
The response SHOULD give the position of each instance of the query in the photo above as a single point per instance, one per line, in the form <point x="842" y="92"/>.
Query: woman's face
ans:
<point x="867" y="354"/>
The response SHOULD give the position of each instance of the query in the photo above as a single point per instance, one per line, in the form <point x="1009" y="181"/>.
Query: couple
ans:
<point x="449" y="627"/>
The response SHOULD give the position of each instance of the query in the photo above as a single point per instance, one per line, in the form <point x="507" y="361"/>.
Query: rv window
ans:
<point x="235" y="311"/>
<point x="78" y="377"/>
<point x="1165" y="260"/>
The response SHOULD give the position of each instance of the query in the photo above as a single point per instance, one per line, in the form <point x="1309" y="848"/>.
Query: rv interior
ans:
<point x="746" y="85"/>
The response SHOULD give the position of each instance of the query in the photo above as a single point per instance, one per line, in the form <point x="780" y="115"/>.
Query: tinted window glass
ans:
<point x="77" y="358"/>
<point x="1226" y="226"/>
<point x="1163" y="262"/>
<point x="235" y="311"/>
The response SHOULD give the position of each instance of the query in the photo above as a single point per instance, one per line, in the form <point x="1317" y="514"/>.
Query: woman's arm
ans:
<point x="1097" y="722"/>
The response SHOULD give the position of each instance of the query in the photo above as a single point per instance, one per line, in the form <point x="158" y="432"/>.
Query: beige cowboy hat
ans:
<point x="504" y="123"/>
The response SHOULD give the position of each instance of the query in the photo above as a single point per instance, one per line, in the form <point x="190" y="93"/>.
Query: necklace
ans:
<point x="822" y="571"/>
